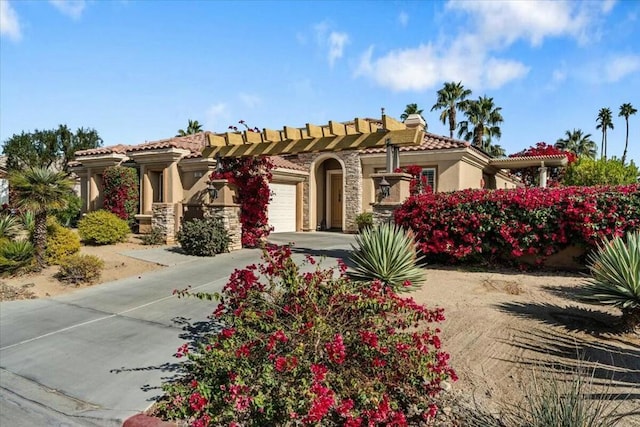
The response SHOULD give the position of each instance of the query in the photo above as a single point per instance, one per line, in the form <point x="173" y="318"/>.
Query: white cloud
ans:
<point x="607" y="5"/>
<point x="558" y="76"/>
<point x="337" y="41"/>
<point x="9" y="22"/>
<point x="250" y="100"/>
<point x="619" y="67"/>
<point x="403" y="19"/>
<point x="217" y="117"/>
<point x="71" y="8"/>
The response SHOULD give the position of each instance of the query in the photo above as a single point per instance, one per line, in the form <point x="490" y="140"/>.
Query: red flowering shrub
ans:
<point x="310" y="348"/>
<point x="530" y="175"/>
<point x="121" y="191"/>
<point x="252" y="176"/>
<point x="418" y="183"/>
<point x="496" y="225"/>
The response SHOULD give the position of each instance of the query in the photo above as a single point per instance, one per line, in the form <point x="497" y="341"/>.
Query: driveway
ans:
<point x="99" y="355"/>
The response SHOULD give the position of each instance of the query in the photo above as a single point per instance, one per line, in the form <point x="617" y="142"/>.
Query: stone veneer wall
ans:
<point x="352" y="183"/>
<point x="383" y="213"/>
<point x="164" y="218"/>
<point x="230" y="216"/>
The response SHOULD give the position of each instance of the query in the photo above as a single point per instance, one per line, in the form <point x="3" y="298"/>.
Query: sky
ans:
<point x="137" y="71"/>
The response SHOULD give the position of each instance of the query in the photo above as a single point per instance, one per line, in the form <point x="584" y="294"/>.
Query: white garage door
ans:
<point x="282" y="208"/>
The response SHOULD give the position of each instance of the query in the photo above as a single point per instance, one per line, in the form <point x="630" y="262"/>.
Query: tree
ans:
<point x="193" y="127"/>
<point x="411" y="109"/>
<point x="496" y="150"/>
<point x="451" y="98"/>
<point x="40" y="190"/>
<point x="483" y="118"/>
<point x="605" y="122"/>
<point x="578" y="143"/>
<point x="47" y="149"/>
<point x="601" y="172"/>
<point x="626" y="110"/>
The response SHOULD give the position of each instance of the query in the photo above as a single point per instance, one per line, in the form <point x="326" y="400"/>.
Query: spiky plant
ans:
<point x="9" y="227"/>
<point x="615" y="277"/>
<point x="386" y="252"/>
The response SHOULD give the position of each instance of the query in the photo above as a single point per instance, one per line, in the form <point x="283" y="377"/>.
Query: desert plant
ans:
<point x="102" y="228"/>
<point x="9" y="226"/>
<point x="310" y="349"/>
<point x="387" y="253"/>
<point x="16" y="255"/>
<point x="61" y="242"/>
<point x="155" y="237"/>
<point x="203" y="237"/>
<point x="364" y="220"/>
<point x="615" y="277"/>
<point x="70" y="215"/>
<point x="80" y="268"/>
<point x="28" y="221"/>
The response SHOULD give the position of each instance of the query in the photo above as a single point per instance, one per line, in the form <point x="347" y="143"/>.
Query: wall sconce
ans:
<point x="213" y="191"/>
<point x="385" y="188"/>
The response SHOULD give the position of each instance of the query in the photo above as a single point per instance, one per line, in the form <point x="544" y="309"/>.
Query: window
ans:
<point x="429" y="179"/>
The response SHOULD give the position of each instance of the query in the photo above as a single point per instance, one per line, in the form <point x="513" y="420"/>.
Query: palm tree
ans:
<point x="496" y="150"/>
<point x="482" y="124"/>
<point x="626" y="110"/>
<point x="451" y="97"/>
<point x="605" y="122"/>
<point x="39" y="190"/>
<point x="193" y="127"/>
<point x="411" y="109"/>
<point x="577" y="142"/>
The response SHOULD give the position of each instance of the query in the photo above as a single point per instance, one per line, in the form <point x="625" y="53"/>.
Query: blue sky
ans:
<point x="138" y="70"/>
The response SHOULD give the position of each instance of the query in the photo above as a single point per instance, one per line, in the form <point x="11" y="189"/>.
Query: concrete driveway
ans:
<point x="99" y="355"/>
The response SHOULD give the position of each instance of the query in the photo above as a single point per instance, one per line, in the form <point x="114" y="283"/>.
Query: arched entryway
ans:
<point x="327" y="191"/>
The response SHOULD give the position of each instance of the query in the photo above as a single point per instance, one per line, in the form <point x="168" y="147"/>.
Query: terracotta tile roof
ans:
<point x="117" y="149"/>
<point x="194" y="143"/>
<point x="545" y="157"/>
<point x="429" y="142"/>
<point x="282" y="163"/>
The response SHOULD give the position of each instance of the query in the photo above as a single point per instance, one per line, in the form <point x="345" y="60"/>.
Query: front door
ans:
<point x="336" y="201"/>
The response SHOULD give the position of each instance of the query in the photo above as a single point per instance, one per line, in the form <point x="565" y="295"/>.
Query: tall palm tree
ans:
<point x="605" y="121"/>
<point x="577" y="142"/>
<point x="451" y="98"/>
<point x="411" y="109"/>
<point x="626" y="110"/>
<point x="39" y="190"/>
<point x="496" y="150"/>
<point x="193" y="127"/>
<point x="482" y="124"/>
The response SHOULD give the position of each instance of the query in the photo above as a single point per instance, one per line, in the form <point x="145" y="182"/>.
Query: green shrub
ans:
<point x="601" y="172"/>
<point x="70" y="215"/>
<point x="9" y="226"/>
<point x="364" y="220"/>
<point x="61" y="242"/>
<point x="102" y="228"/>
<point x="203" y="237"/>
<point x="309" y="348"/>
<point x="15" y="256"/>
<point x="615" y="271"/>
<point x="388" y="254"/>
<point x="80" y="268"/>
<point x="155" y="237"/>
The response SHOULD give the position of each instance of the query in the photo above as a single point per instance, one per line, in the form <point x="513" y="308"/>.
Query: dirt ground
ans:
<point x="500" y="327"/>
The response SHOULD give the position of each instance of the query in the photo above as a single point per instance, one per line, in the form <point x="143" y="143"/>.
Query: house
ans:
<point x="310" y="191"/>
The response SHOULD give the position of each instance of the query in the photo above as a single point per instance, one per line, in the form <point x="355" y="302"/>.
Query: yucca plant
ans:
<point x="615" y="277"/>
<point x="386" y="252"/>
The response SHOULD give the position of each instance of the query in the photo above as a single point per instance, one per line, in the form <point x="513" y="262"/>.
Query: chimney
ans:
<point x="415" y="120"/>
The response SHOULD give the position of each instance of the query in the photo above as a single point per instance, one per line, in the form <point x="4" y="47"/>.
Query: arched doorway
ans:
<point x="327" y="193"/>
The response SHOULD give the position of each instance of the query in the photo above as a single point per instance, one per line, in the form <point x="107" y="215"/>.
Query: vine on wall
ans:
<point x="121" y="191"/>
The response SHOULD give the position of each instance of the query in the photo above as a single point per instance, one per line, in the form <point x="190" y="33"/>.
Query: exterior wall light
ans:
<point x="213" y="191"/>
<point x="385" y="188"/>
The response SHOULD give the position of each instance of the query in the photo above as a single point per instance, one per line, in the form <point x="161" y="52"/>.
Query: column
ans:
<point x="543" y="176"/>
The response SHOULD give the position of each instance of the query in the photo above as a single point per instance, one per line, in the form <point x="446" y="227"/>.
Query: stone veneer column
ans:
<point x="163" y="218"/>
<point x="227" y="210"/>
<point x="399" y="184"/>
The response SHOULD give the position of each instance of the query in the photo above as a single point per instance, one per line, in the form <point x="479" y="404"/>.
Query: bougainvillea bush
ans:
<point x="121" y="192"/>
<point x="310" y="348"/>
<point x="531" y="176"/>
<point x="252" y="176"/>
<point x="498" y="225"/>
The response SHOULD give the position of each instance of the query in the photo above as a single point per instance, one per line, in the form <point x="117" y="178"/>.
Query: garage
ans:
<point x="282" y="208"/>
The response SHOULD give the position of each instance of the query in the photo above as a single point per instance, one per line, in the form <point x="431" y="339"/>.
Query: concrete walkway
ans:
<point x="99" y="355"/>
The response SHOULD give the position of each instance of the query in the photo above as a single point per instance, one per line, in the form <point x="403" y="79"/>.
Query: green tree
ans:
<point x="482" y="124"/>
<point x="411" y="109"/>
<point x="40" y="190"/>
<point x="605" y="121"/>
<point x="578" y="143"/>
<point x="626" y="110"/>
<point x="451" y="98"/>
<point x="53" y="148"/>
<point x="601" y="172"/>
<point x="193" y="127"/>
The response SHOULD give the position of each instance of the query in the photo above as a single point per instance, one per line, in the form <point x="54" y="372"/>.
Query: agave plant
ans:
<point x="15" y="255"/>
<point x="387" y="253"/>
<point x="615" y="271"/>
<point x="9" y="227"/>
